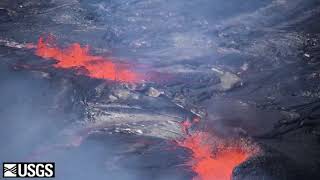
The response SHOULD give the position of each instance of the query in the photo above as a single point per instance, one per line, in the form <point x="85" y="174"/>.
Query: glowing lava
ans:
<point x="77" y="57"/>
<point x="213" y="161"/>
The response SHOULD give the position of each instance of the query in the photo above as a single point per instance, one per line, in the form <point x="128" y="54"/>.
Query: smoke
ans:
<point x="29" y="113"/>
<point x="186" y="40"/>
<point x="120" y="156"/>
<point x="33" y="117"/>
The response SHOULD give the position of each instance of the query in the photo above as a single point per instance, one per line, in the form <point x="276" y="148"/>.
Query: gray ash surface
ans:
<point x="247" y="68"/>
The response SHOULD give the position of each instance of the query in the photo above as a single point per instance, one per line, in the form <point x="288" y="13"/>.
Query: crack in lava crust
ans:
<point x="212" y="158"/>
<point x="75" y="56"/>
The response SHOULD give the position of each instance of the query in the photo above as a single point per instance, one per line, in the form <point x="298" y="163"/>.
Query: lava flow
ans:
<point x="77" y="57"/>
<point x="213" y="158"/>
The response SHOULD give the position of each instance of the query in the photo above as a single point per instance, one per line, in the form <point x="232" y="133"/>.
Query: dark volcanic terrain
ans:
<point x="247" y="68"/>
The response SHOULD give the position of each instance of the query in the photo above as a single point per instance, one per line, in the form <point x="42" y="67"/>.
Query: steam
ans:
<point x="176" y="36"/>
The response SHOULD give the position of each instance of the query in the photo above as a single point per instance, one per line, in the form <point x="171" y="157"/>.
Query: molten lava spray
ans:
<point x="77" y="57"/>
<point x="213" y="157"/>
<point x="210" y="161"/>
<point x="210" y="164"/>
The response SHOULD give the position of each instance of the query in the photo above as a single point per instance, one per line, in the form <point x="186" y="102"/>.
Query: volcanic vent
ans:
<point x="126" y="89"/>
<point x="210" y="156"/>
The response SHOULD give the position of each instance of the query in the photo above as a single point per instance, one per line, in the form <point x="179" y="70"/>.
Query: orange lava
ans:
<point x="213" y="161"/>
<point x="77" y="57"/>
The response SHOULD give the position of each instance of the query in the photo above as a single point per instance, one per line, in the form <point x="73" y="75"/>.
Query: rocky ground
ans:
<point x="246" y="69"/>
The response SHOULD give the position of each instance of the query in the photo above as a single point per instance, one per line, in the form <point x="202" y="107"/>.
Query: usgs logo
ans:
<point x="28" y="170"/>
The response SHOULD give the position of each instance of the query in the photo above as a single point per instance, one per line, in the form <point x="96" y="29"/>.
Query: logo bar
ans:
<point x="28" y="170"/>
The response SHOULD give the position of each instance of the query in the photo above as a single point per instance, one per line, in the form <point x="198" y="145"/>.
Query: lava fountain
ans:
<point x="76" y="57"/>
<point x="213" y="157"/>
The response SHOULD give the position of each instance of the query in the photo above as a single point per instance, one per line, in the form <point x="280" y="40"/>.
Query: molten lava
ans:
<point x="213" y="161"/>
<point x="210" y="161"/>
<point x="77" y="57"/>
